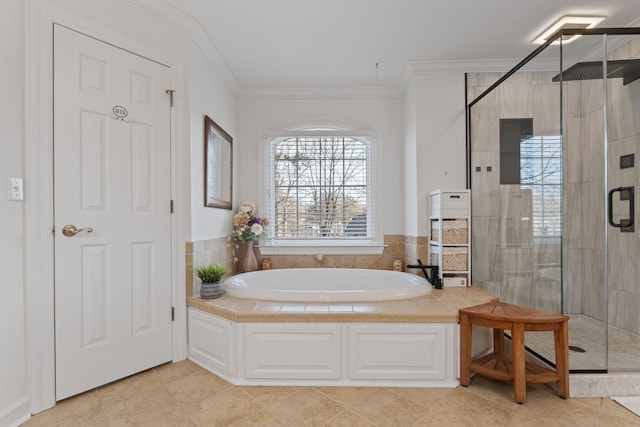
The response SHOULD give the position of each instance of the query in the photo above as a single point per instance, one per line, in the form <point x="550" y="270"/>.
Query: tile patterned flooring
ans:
<point x="184" y="394"/>
<point x="623" y="352"/>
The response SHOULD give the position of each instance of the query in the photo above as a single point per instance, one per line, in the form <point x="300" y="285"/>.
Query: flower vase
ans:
<point x="250" y="263"/>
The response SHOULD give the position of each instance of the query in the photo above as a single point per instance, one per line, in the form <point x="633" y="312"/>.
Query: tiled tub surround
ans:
<point x="410" y="342"/>
<point x="213" y="251"/>
<point x="416" y="248"/>
<point x="405" y="248"/>
<point x="394" y="249"/>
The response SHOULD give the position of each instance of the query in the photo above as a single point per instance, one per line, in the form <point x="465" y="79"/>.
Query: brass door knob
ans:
<point x="71" y="230"/>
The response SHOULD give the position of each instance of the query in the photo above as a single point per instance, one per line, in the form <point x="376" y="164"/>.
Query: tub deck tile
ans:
<point x="341" y="308"/>
<point x="249" y="305"/>
<point x="316" y="308"/>
<point x="364" y="308"/>
<point x="292" y="308"/>
<point x="441" y="306"/>
<point x="268" y="307"/>
<point x="400" y="306"/>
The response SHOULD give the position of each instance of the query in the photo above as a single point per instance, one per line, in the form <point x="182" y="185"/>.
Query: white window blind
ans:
<point x="541" y="172"/>
<point x="320" y="188"/>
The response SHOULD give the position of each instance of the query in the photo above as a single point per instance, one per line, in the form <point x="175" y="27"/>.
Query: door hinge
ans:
<point x="170" y="92"/>
<point x="173" y="314"/>
<point x="171" y="206"/>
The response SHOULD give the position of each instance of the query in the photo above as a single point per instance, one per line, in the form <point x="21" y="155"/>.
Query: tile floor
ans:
<point x="183" y="394"/>
<point x="623" y="351"/>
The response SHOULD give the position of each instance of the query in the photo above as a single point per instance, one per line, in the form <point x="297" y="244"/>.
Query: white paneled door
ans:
<point x="112" y="196"/>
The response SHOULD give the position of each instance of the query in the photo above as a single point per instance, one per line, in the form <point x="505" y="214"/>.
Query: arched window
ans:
<point x="320" y="190"/>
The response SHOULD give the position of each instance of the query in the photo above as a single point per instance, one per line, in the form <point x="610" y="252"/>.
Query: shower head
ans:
<point x="627" y="69"/>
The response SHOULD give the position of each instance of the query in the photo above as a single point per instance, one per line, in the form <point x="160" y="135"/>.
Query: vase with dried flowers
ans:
<point x="247" y="228"/>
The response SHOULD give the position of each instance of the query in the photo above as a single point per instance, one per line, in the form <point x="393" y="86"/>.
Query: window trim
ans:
<point x="366" y="246"/>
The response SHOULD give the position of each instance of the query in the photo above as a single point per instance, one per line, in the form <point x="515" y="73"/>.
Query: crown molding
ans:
<point x="192" y="28"/>
<point x="479" y="66"/>
<point x="422" y="68"/>
<point x="320" y="93"/>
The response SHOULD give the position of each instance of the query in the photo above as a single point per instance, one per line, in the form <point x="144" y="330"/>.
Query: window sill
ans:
<point x="321" y="249"/>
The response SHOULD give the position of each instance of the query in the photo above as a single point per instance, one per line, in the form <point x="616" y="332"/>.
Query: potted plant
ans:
<point x="210" y="276"/>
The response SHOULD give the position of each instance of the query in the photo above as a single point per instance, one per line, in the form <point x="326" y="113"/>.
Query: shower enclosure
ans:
<point x="552" y="168"/>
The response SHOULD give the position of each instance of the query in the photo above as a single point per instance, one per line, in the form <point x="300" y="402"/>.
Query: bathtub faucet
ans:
<point x="435" y="277"/>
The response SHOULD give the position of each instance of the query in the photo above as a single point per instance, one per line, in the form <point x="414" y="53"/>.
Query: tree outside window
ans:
<point x="320" y="188"/>
<point x="541" y="172"/>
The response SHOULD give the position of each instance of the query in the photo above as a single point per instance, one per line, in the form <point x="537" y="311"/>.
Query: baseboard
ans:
<point x="17" y="413"/>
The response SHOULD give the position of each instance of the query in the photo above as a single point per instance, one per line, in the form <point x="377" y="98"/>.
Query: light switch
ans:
<point x="15" y="189"/>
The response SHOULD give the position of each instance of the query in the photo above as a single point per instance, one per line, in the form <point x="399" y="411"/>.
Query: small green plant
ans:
<point x="211" y="273"/>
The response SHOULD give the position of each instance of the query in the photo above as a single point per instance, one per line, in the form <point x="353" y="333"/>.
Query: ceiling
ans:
<point x="371" y="43"/>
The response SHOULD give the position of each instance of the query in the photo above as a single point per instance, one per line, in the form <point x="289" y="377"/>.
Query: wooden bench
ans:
<point x="498" y="365"/>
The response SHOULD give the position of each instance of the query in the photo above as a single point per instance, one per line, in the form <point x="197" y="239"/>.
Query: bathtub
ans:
<point x="326" y="285"/>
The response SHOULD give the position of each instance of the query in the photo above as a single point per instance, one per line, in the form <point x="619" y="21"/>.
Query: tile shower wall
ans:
<point x="584" y="235"/>
<point x="218" y="251"/>
<point x="623" y="118"/>
<point x="507" y="260"/>
<point x="584" y="207"/>
<point x="524" y="95"/>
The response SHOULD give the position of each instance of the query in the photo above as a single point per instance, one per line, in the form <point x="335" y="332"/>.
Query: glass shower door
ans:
<point x="623" y="234"/>
<point x="584" y="257"/>
<point x="516" y="177"/>
<point x="602" y="247"/>
<point x="554" y="180"/>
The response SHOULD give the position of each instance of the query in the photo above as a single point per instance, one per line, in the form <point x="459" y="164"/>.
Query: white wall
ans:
<point x="164" y="38"/>
<point x="212" y="97"/>
<point x="410" y="162"/>
<point x="440" y="137"/>
<point x="380" y="112"/>
<point x="14" y="390"/>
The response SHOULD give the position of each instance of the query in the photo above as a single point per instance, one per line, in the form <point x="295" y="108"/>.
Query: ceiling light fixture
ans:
<point x="572" y="22"/>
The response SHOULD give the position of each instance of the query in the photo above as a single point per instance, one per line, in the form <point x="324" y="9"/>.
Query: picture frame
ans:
<point x="218" y="166"/>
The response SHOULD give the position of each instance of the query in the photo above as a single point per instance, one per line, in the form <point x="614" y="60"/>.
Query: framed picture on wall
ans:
<point x="218" y="166"/>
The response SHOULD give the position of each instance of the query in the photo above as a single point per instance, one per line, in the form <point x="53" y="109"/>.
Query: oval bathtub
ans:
<point x="326" y="285"/>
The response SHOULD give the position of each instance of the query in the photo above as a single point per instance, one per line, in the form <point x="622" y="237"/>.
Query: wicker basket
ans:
<point x="454" y="259"/>
<point x="454" y="232"/>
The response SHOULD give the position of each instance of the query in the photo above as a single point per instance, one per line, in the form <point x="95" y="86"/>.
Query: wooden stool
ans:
<point x="501" y="316"/>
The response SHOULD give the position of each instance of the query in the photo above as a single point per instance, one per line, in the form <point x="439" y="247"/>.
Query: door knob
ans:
<point x="71" y="230"/>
